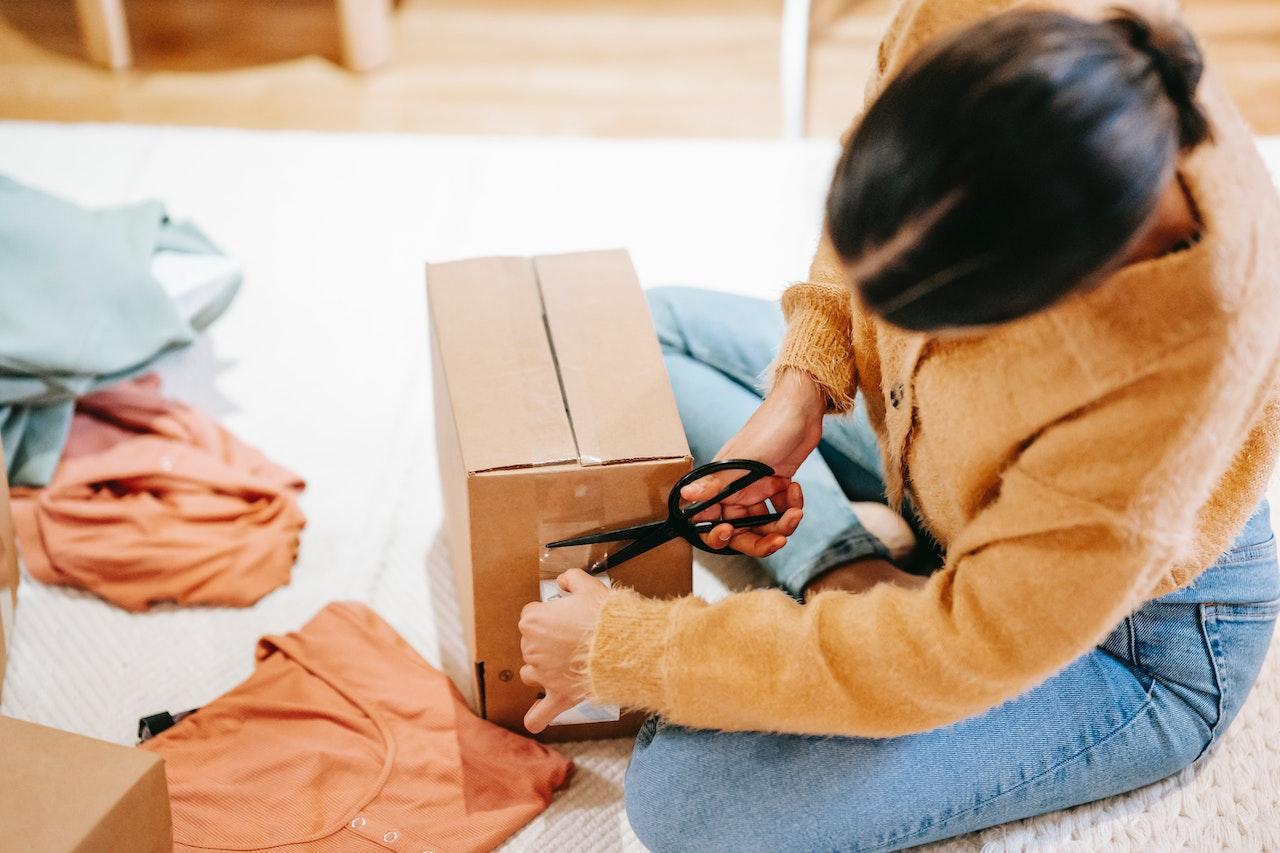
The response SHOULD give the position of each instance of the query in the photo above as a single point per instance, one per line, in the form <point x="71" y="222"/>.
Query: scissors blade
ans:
<point x="646" y="543"/>
<point x="635" y="532"/>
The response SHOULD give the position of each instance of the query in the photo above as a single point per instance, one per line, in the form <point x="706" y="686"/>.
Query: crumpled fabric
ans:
<point x="153" y="501"/>
<point x="344" y="739"/>
<point x="81" y="310"/>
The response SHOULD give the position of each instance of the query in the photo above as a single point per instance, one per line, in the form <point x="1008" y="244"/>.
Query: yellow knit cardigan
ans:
<point x="1074" y="464"/>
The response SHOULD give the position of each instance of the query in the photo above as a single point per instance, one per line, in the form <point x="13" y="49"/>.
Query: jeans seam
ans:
<point x="1231" y="612"/>
<point x="1219" y="666"/>
<point x="1138" y="712"/>
<point x="1253" y="552"/>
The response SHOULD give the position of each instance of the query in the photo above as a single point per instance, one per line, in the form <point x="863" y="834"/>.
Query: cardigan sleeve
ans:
<point x="1087" y="519"/>
<point x="818" y="339"/>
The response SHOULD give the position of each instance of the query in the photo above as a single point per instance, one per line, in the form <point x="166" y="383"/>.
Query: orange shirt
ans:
<point x="344" y="739"/>
<point x="154" y="501"/>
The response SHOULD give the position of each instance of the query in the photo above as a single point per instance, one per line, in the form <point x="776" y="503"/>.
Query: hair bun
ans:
<point x="1174" y="56"/>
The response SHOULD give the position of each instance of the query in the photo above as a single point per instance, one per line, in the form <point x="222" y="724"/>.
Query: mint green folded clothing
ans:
<point x="81" y="309"/>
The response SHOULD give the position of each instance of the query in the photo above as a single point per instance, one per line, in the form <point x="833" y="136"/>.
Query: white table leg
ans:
<point x="365" y="28"/>
<point x="104" y="32"/>
<point x="794" y="67"/>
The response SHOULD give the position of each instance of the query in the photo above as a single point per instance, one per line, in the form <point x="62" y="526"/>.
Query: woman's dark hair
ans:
<point x="1011" y="163"/>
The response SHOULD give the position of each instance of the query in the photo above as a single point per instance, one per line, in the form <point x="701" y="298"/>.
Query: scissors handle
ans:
<point x="678" y="517"/>
<point x="648" y="536"/>
<point x="749" y="521"/>
<point x="655" y="538"/>
<point x="755" y="471"/>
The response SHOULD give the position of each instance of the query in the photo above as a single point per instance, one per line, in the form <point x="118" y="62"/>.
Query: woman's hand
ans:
<point x="555" y="636"/>
<point x="781" y="433"/>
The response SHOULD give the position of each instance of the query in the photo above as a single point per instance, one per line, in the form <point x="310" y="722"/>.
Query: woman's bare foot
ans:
<point x="886" y="525"/>
<point x="860" y="576"/>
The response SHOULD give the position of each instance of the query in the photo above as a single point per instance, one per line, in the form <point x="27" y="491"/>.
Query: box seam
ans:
<point x="555" y="362"/>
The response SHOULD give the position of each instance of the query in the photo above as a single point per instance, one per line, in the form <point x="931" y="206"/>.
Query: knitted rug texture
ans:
<point x="322" y="363"/>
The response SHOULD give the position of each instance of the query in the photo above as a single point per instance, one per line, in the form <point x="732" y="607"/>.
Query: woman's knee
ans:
<point x="690" y="789"/>
<point x="646" y="795"/>
<point x="665" y="308"/>
<point x="666" y="797"/>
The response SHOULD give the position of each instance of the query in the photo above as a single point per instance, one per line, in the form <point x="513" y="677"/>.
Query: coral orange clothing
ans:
<point x="345" y="739"/>
<point x="153" y="501"/>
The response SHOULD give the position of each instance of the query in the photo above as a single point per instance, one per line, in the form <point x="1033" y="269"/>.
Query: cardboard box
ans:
<point x="554" y="417"/>
<point x="8" y="573"/>
<point x="63" y="792"/>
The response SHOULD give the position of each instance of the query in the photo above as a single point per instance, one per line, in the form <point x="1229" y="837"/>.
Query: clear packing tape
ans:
<point x="551" y="563"/>
<point x="583" y="712"/>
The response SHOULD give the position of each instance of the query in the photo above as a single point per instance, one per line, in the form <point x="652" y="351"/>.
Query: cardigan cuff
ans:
<point x="818" y="341"/>
<point x="626" y="664"/>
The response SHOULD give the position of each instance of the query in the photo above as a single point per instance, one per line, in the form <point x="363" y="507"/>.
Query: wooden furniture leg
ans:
<point x="365" y="29"/>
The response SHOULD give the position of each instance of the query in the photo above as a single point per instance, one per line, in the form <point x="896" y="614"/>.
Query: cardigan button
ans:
<point x="895" y="395"/>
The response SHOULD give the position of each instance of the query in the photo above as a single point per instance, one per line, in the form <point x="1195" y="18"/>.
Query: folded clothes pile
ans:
<point x="153" y="501"/>
<point x="117" y="489"/>
<point x="83" y="309"/>
<point x="345" y="739"/>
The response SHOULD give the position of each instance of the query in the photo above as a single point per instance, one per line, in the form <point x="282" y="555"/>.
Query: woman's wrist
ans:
<point x="798" y="391"/>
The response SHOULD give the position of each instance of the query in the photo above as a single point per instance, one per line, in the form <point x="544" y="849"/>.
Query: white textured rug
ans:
<point x="322" y="363"/>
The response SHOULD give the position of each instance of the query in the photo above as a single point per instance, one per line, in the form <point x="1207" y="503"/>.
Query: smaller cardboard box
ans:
<point x="61" y="792"/>
<point x="554" y="417"/>
<point x="8" y="573"/>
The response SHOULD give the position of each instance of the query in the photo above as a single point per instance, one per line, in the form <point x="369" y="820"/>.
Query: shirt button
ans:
<point x="895" y="395"/>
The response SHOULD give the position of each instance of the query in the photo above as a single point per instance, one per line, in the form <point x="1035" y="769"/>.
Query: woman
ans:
<point x="1044" y="322"/>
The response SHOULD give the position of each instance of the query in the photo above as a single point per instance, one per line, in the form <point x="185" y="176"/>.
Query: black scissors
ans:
<point x="677" y="523"/>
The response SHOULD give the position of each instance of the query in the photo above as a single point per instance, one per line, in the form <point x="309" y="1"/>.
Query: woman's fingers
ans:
<point x="544" y="711"/>
<point x="711" y="513"/>
<point x="765" y="539"/>
<point x="576" y="580"/>
<point x="709" y="486"/>
<point x="705" y="487"/>
<point x="756" y="544"/>
<point x="786" y="525"/>
<point x="790" y="497"/>
<point x="759" y="541"/>
<point x="718" y="536"/>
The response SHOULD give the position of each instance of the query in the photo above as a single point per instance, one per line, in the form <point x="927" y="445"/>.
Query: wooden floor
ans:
<point x="590" y="67"/>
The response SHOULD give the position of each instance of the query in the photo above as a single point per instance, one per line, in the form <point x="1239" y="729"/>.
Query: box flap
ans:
<point x="513" y="513"/>
<point x="611" y="370"/>
<point x="506" y="398"/>
<point x="67" y="792"/>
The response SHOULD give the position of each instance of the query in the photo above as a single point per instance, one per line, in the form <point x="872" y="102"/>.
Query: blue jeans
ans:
<point x="1149" y="701"/>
